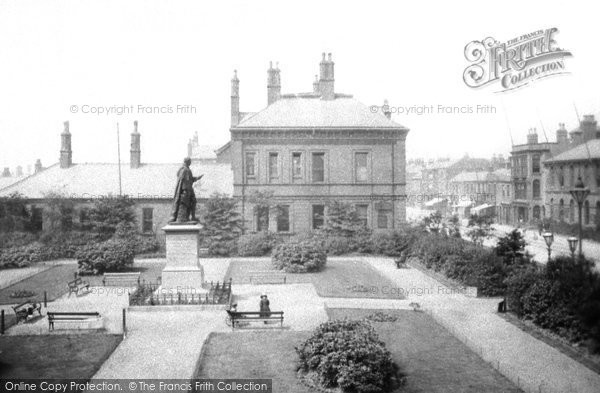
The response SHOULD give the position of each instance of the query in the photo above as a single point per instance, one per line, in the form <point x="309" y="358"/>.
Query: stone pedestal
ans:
<point x="183" y="273"/>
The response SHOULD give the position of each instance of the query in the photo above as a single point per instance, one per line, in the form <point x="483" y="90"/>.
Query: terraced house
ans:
<point x="310" y="149"/>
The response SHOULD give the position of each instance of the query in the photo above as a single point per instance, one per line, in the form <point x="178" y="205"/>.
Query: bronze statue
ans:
<point x="184" y="203"/>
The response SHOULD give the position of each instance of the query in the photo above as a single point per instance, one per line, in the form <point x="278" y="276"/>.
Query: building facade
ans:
<point x="307" y="150"/>
<point x="564" y="169"/>
<point x="150" y="186"/>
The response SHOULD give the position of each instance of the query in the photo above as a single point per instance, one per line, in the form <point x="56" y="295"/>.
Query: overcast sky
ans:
<point x="54" y="55"/>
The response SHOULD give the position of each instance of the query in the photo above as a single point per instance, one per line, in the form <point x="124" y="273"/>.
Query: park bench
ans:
<point x="25" y="309"/>
<point x="121" y="279"/>
<point x="70" y="317"/>
<point x="249" y="316"/>
<point x="267" y="277"/>
<point x="77" y="285"/>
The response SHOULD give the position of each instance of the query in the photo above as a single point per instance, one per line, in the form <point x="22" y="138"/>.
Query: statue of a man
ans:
<point x="184" y="202"/>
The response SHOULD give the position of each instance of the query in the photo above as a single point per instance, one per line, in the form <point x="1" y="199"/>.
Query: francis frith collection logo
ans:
<point x="516" y="62"/>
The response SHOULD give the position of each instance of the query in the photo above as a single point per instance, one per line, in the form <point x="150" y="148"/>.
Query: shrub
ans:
<point x="337" y="245"/>
<point x="348" y="355"/>
<point x="109" y="256"/>
<point x="302" y="257"/>
<point x="127" y="233"/>
<point x="392" y="243"/>
<point x="12" y="239"/>
<point x="108" y="213"/>
<point x="20" y="256"/>
<point x="221" y="225"/>
<point x="256" y="244"/>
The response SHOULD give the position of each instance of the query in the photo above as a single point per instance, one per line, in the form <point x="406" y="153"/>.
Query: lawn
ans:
<point x="54" y="281"/>
<point x="431" y="358"/>
<point x="77" y="356"/>
<point x="349" y="278"/>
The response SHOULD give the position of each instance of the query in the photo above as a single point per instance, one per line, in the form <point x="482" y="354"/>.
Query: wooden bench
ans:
<point x="249" y="316"/>
<point x="77" y="285"/>
<point x="69" y="317"/>
<point x="25" y="309"/>
<point x="121" y="279"/>
<point x="267" y="277"/>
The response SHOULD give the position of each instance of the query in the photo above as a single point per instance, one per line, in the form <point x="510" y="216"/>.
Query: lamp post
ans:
<point x="579" y="193"/>
<point x="573" y="245"/>
<point x="549" y="239"/>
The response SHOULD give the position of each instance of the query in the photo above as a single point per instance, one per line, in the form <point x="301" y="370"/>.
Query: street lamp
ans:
<point x="549" y="239"/>
<point x="579" y="193"/>
<point x="573" y="245"/>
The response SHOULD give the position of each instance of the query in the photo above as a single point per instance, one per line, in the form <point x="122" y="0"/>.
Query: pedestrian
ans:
<point x="265" y="310"/>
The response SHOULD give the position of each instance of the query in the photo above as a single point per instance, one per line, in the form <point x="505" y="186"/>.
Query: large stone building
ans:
<point x="563" y="170"/>
<point x="311" y="149"/>
<point x="151" y="186"/>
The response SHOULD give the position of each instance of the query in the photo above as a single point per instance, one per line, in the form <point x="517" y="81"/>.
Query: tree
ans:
<point x="511" y="248"/>
<point x="480" y="228"/>
<point x="434" y="222"/>
<point x="342" y="220"/>
<point x="107" y="213"/>
<point x="14" y="214"/>
<point x="59" y="212"/>
<point x="222" y="224"/>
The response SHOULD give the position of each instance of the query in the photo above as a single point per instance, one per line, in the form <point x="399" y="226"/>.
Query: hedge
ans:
<point x="256" y="244"/>
<point x="109" y="256"/>
<point x="300" y="257"/>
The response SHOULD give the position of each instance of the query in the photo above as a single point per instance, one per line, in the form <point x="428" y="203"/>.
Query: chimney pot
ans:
<point x="66" y="154"/>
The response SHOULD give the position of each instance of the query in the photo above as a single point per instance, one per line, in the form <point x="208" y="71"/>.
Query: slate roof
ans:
<point x="585" y="151"/>
<point x="154" y="181"/>
<point x="313" y="112"/>
<point x="7" y="181"/>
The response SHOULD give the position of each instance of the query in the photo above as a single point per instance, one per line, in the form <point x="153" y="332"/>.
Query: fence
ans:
<point x="149" y="294"/>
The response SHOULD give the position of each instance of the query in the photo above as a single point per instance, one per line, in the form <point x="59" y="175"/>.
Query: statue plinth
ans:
<point x="183" y="273"/>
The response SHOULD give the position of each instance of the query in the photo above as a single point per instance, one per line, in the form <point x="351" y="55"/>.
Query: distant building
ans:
<point x="483" y="193"/>
<point x="310" y="149"/>
<point x="564" y="169"/>
<point x="151" y="186"/>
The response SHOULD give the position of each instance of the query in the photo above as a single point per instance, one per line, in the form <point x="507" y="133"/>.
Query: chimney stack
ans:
<point x="386" y="109"/>
<point x="326" y="81"/>
<point x="235" y="100"/>
<point x="136" y="151"/>
<point x="66" y="154"/>
<point x="19" y="171"/>
<point x="316" y="85"/>
<point x="6" y="172"/>
<point x="273" y="84"/>
<point x="589" y="127"/>
<point x="38" y="166"/>
<point x="532" y="137"/>
<point x="562" y="136"/>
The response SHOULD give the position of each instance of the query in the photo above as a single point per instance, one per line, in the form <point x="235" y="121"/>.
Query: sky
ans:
<point x="61" y="60"/>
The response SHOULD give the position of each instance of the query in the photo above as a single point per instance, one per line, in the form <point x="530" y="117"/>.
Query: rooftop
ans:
<point x="149" y="181"/>
<point x="301" y="111"/>
<point x="585" y="151"/>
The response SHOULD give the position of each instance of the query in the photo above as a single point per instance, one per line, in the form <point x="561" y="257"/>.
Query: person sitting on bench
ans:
<point x="265" y="310"/>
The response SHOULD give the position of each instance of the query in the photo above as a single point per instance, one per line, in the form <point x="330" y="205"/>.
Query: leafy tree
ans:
<point x="222" y="224"/>
<point x="59" y="212"/>
<point x="480" y="228"/>
<point x="14" y="214"/>
<point x="342" y="220"/>
<point x="511" y="248"/>
<point x="434" y="222"/>
<point x="107" y="213"/>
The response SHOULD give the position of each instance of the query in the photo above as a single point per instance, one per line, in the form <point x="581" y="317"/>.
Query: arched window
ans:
<point x="597" y="213"/>
<point x="586" y="213"/>
<point x="536" y="188"/>
<point x="561" y="210"/>
<point x="572" y="211"/>
<point x="536" y="212"/>
<point x="571" y="176"/>
<point x="552" y="209"/>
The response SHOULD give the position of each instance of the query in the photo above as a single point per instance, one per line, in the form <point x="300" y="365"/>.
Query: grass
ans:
<point x="268" y="355"/>
<point x="54" y="281"/>
<point x="77" y="356"/>
<point x="431" y="358"/>
<point x="349" y="278"/>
